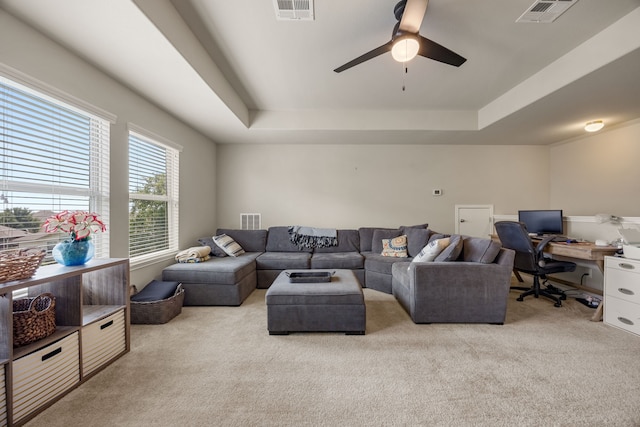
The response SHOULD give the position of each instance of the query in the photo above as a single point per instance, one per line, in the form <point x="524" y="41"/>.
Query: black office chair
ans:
<point x="531" y="260"/>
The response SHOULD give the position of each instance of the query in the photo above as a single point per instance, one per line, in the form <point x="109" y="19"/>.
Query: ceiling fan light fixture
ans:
<point x="405" y="48"/>
<point x="594" y="126"/>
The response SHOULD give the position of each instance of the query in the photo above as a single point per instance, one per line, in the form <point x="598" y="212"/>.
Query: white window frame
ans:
<point x="100" y="122"/>
<point x="172" y="198"/>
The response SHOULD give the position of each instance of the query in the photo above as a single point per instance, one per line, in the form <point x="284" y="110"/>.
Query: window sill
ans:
<point x="150" y="259"/>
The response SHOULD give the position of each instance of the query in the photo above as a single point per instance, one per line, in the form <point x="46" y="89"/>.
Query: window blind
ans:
<point x="153" y="197"/>
<point x="53" y="157"/>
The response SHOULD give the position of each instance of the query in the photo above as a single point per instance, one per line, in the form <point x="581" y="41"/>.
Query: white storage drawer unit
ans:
<point x="3" y="398"/>
<point x="622" y="293"/>
<point x="102" y="341"/>
<point x="45" y="374"/>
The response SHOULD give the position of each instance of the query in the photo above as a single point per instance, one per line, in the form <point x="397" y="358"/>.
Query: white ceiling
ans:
<point x="236" y="73"/>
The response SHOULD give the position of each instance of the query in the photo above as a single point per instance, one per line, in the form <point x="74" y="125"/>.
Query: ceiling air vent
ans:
<point x="545" y="11"/>
<point x="294" y="10"/>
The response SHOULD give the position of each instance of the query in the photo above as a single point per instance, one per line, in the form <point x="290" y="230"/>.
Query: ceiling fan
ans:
<point x="406" y="42"/>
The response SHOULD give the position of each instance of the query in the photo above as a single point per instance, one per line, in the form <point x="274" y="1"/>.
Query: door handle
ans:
<point x="462" y="220"/>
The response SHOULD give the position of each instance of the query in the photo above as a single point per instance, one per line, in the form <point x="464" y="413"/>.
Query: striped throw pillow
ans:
<point x="228" y="245"/>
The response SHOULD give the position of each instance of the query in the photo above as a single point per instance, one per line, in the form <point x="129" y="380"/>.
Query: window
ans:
<point x="153" y="197"/>
<point x="54" y="156"/>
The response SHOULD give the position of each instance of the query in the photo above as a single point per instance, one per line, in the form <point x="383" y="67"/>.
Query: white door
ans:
<point x="474" y="220"/>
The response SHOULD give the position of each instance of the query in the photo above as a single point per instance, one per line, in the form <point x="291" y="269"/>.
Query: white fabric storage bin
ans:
<point x="102" y="341"/>
<point x="45" y="374"/>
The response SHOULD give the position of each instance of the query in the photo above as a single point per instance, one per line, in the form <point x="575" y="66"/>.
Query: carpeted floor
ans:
<point x="209" y="366"/>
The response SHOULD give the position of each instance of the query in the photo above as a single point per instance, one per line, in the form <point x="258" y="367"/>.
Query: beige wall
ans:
<point x="35" y="55"/>
<point x="598" y="173"/>
<point x="348" y="186"/>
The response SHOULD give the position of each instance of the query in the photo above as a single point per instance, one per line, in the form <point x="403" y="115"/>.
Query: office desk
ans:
<point x="581" y="251"/>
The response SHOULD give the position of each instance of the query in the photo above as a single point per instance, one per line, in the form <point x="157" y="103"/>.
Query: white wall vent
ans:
<point x="294" y="10"/>
<point x="250" y="221"/>
<point x="545" y="11"/>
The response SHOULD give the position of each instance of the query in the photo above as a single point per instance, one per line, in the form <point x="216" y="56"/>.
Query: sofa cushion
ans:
<point x="396" y="247"/>
<point x="478" y="249"/>
<point x="222" y="271"/>
<point x="348" y="241"/>
<point x="379" y="235"/>
<point x="340" y="260"/>
<point x="156" y="290"/>
<point x="404" y="228"/>
<point x="379" y="264"/>
<point x="250" y="240"/>
<point x="432" y="250"/>
<point x="366" y="237"/>
<point x="279" y="240"/>
<point x="283" y="260"/>
<point x="417" y="238"/>
<point x="453" y="251"/>
<point x="228" y="245"/>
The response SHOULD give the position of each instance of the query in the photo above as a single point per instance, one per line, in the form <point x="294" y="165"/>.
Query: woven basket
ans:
<point x="157" y="312"/>
<point x="33" y="319"/>
<point x="20" y="264"/>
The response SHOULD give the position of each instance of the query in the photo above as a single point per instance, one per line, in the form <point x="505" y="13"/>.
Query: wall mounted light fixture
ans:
<point x="594" y="126"/>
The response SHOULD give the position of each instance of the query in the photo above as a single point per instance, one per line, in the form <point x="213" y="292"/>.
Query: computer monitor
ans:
<point x="542" y="221"/>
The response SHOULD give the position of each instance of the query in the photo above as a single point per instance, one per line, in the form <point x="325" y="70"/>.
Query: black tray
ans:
<point x="309" y="276"/>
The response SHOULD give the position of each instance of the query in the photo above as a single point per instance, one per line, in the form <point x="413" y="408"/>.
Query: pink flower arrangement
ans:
<point x="78" y="224"/>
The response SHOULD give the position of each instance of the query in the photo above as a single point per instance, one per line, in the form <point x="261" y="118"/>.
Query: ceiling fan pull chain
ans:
<point x="404" y="75"/>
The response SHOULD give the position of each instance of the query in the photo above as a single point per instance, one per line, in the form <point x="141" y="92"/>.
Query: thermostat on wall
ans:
<point x="437" y="192"/>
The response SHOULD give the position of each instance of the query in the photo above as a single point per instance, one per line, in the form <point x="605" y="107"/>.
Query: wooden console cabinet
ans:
<point x="92" y="330"/>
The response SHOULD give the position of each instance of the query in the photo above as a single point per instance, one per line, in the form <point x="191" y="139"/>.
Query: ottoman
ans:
<point x="334" y="306"/>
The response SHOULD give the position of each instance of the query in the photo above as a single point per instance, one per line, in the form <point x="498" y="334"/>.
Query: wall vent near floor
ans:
<point x="545" y="11"/>
<point x="250" y="221"/>
<point x="294" y="10"/>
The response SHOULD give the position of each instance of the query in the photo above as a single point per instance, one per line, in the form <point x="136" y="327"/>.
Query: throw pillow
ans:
<point x="227" y="244"/>
<point x="417" y="238"/>
<point x="395" y="247"/>
<point x="432" y="250"/>
<point x="451" y="252"/>
<point x="215" y="250"/>
<point x="478" y="249"/>
<point x="379" y="235"/>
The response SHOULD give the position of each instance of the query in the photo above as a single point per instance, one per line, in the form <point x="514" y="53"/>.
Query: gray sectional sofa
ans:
<point x="225" y="280"/>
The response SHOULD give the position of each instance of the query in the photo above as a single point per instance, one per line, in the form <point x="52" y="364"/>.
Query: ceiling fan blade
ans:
<point x="432" y="50"/>
<point x="413" y="15"/>
<point x="367" y="56"/>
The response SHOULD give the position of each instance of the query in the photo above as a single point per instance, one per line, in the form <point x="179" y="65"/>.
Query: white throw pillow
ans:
<point x="227" y="244"/>
<point x="432" y="250"/>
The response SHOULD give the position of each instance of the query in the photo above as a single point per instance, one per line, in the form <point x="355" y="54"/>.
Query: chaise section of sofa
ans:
<point x="222" y="280"/>
<point x="218" y="281"/>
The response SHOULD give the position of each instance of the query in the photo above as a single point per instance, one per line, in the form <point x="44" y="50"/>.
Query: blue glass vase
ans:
<point x="73" y="253"/>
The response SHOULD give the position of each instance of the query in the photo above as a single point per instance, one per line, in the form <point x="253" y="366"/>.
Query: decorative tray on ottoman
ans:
<point x="309" y="276"/>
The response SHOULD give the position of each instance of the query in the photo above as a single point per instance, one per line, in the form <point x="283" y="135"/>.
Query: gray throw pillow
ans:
<point x="215" y="249"/>
<point x="417" y="238"/>
<point x="478" y="249"/>
<point x="452" y="252"/>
